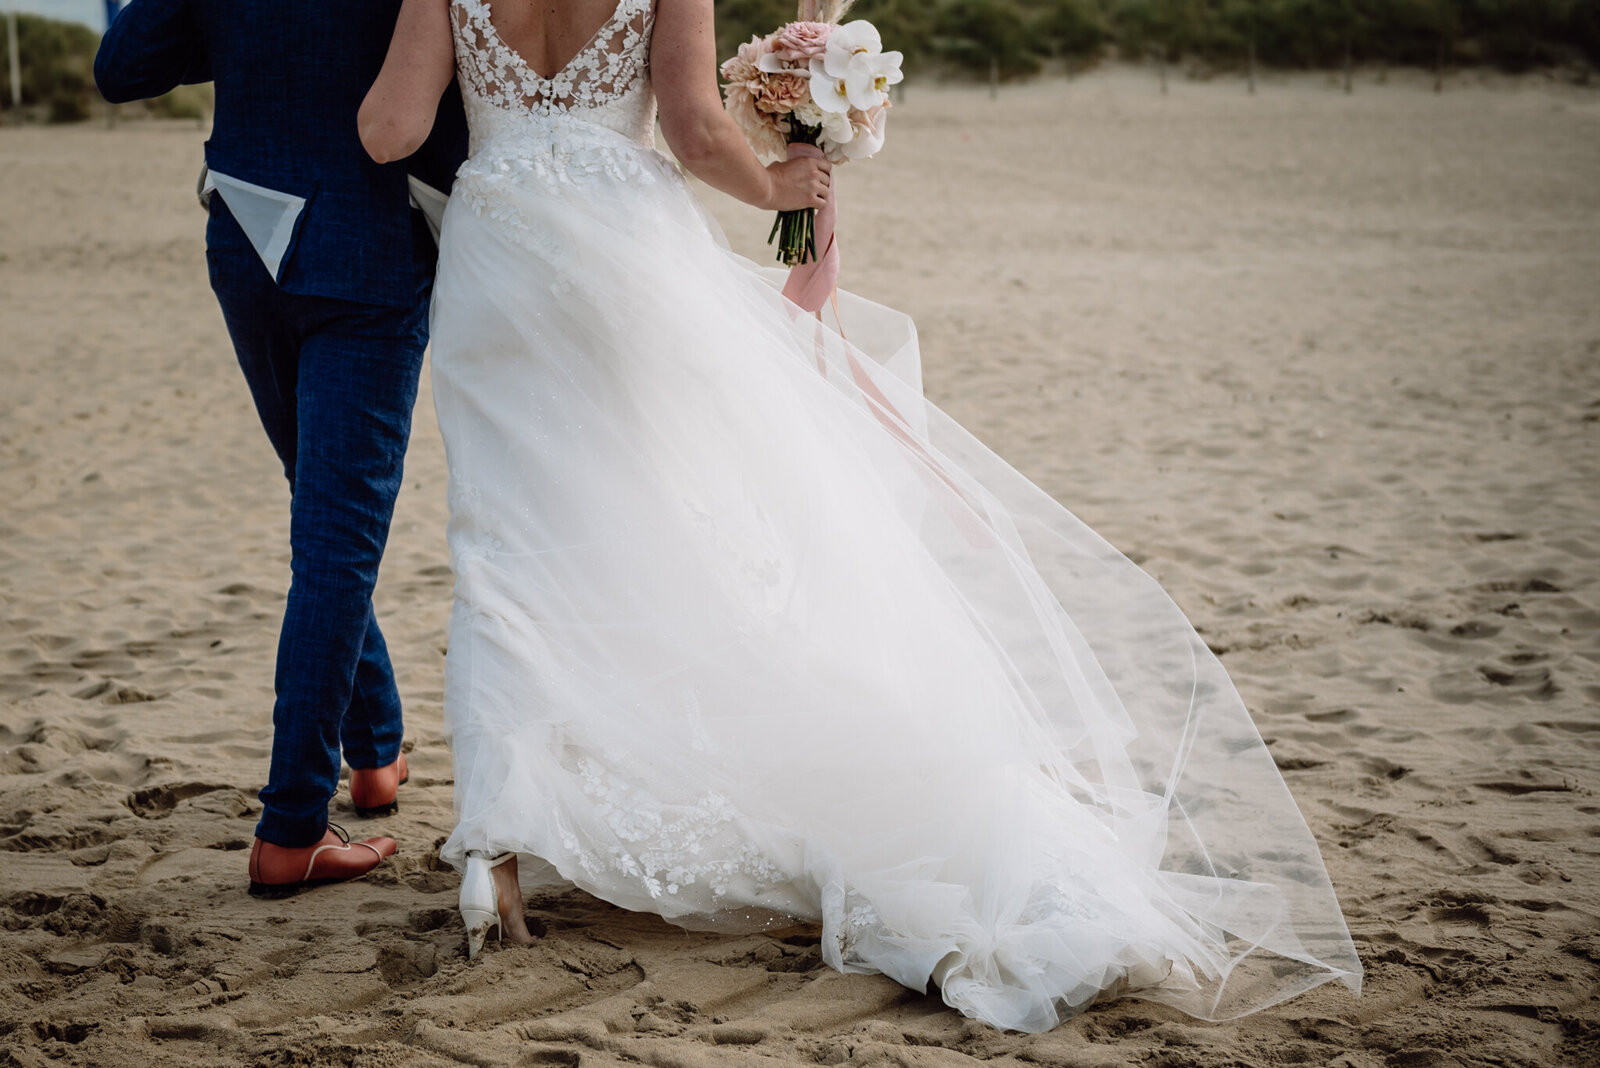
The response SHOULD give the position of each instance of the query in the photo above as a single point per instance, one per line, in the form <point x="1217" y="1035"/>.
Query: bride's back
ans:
<point x="548" y="34"/>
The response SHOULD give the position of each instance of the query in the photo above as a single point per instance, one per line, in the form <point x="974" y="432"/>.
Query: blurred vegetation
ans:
<point x="1018" y="36"/>
<point x="57" y="67"/>
<point x="57" y="62"/>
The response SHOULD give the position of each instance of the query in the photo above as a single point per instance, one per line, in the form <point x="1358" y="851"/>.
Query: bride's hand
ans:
<point x="798" y="183"/>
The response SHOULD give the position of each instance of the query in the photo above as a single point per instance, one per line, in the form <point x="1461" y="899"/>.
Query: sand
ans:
<point x="1327" y="366"/>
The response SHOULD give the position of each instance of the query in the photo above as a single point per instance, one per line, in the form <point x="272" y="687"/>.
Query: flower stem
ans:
<point x="796" y="231"/>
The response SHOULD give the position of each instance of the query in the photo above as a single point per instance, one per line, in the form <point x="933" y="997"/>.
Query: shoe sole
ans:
<point x="378" y="810"/>
<point x="370" y="811"/>
<point x="274" y="891"/>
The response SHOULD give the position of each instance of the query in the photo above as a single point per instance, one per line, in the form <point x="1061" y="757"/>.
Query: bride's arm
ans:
<point x="683" y="70"/>
<point x="398" y="112"/>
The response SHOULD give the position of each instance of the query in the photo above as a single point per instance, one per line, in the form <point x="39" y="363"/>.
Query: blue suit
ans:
<point x="323" y="270"/>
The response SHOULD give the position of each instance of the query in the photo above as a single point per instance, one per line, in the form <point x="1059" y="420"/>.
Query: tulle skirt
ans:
<point x="748" y="632"/>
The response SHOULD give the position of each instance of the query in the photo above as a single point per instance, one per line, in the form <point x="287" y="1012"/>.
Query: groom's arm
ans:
<point x="151" y="48"/>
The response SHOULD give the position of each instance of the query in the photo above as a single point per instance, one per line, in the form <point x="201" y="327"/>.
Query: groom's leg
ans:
<point x="357" y="383"/>
<point x="268" y="350"/>
<point x="264" y="341"/>
<point x="371" y="730"/>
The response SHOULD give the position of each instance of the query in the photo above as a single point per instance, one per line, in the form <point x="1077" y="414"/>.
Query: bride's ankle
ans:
<point x="508" y="900"/>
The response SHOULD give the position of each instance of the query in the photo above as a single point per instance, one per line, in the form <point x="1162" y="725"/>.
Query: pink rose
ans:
<point x="801" y="42"/>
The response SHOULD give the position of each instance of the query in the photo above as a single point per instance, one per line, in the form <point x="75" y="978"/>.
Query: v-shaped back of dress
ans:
<point x="607" y="83"/>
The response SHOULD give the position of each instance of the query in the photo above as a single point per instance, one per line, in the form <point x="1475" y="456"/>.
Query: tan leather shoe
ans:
<point x="278" y="871"/>
<point x="373" y="790"/>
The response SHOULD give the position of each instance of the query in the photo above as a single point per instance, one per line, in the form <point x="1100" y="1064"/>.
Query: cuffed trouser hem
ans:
<point x="382" y="760"/>
<point x="292" y="832"/>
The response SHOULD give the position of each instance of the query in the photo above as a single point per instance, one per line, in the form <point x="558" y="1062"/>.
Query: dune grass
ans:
<point x="1015" y="38"/>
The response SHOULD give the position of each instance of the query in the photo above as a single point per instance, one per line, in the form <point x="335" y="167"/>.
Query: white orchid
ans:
<point x="867" y="84"/>
<point x="853" y="39"/>
<point x="856" y="59"/>
<point x="829" y="92"/>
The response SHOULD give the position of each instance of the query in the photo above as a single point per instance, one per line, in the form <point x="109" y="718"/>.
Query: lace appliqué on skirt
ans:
<point x="667" y="848"/>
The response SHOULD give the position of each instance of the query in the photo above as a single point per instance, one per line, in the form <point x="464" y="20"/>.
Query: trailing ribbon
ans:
<point x="811" y="284"/>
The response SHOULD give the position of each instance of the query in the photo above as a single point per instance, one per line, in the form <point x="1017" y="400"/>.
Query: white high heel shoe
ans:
<point x="480" y="910"/>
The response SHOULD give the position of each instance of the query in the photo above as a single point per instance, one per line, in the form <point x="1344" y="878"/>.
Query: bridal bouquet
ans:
<point x="813" y="87"/>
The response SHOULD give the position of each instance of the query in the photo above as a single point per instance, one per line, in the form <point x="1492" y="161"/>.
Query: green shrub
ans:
<point x="1169" y="27"/>
<point x="1065" y="28"/>
<point x="972" y="34"/>
<point x="1518" y="34"/>
<point x="1412" y="31"/>
<point x="965" y="34"/>
<point x="1304" y="33"/>
<point x="57" y="66"/>
<point x="68" y="106"/>
<point x="58" y="57"/>
<point x="57" y="61"/>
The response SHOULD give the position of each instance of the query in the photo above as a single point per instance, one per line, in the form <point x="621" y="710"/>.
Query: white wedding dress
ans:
<point x="746" y="632"/>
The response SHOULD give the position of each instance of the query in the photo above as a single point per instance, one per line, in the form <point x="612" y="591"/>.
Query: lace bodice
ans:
<point x="512" y="109"/>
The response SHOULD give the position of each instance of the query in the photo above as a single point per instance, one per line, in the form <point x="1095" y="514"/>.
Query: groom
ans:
<point x="323" y="270"/>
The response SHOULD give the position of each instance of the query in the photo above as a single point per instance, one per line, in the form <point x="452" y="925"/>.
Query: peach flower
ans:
<point x="779" y="94"/>
<point x="761" y="130"/>
<point x="745" y="67"/>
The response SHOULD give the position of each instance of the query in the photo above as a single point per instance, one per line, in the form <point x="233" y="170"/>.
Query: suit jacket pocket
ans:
<point x="271" y="211"/>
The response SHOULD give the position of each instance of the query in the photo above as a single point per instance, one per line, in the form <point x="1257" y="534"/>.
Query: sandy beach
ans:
<point x="1327" y="366"/>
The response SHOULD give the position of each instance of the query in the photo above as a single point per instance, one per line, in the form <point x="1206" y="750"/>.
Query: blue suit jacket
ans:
<point x="290" y="76"/>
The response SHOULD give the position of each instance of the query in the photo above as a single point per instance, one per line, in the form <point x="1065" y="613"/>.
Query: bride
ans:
<point x="746" y="632"/>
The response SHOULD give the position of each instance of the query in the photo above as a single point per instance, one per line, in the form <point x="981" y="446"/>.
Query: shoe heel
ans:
<point x="480" y="911"/>
<point x="479" y="925"/>
<point x="368" y="785"/>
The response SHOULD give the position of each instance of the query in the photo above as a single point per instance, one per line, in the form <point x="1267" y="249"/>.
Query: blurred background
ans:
<point x="51" y="43"/>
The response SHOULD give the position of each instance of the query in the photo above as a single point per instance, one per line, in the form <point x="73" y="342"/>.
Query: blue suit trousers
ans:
<point x="334" y="382"/>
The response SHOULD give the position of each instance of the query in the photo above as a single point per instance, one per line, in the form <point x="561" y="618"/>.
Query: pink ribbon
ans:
<point x="812" y="284"/>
